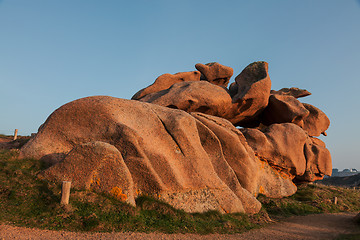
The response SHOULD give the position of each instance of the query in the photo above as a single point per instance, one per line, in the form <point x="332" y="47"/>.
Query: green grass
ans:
<point x="28" y="201"/>
<point x="314" y="198"/>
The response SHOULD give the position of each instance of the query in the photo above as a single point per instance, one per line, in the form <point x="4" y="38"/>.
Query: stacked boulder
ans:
<point x="189" y="140"/>
<point x="250" y="102"/>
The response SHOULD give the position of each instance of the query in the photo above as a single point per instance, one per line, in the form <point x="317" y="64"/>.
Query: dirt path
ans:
<point x="311" y="227"/>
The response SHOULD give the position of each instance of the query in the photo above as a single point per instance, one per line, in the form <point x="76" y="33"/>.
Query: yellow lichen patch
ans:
<point x="278" y="170"/>
<point x="138" y="192"/>
<point x="261" y="190"/>
<point x="95" y="180"/>
<point x="117" y="192"/>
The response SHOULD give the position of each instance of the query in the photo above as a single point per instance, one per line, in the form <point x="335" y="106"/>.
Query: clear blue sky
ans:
<point x="53" y="52"/>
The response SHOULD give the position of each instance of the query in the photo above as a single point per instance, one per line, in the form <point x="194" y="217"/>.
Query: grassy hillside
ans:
<point x="28" y="201"/>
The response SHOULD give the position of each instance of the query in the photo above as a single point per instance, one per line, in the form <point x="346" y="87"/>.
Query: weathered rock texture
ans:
<point x="284" y="109"/>
<point x="318" y="161"/>
<point x="253" y="86"/>
<point x="104" y="166"/>
<point x="295" y="92"/>
<point x="215" y="73"/>
<point x="317" y="122"/>
<point x="168" y="154"/>
<point x="251" y="95"/>
<point x="281" y="145"/>
<point x="179" y="142"/>
<point x="167" y="80"/>
<point x="193" y="97"/>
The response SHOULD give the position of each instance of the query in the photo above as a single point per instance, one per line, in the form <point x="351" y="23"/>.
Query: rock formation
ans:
<point x="167" y="80"/>
<point x="253" y="86"/>
<point x="215" y="73"/>
<point x="317" y="122"/>
<point x="284" y="109"/>
<point x="193" y="97"/>
<point x="179" y="141"/>
<point x="295" y="92"/>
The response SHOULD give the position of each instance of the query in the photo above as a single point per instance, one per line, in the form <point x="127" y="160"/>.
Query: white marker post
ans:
<point x="65" y="193"/>
<point x="15" y="134"/>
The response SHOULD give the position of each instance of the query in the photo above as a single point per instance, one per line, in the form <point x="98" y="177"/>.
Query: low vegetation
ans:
<point x="27" y="201"/>
<point x="314" y="198"/>
<point x="347" y="181"/>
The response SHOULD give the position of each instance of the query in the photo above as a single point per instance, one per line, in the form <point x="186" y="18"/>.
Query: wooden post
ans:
<point x="335" y="200"/>
<point x="65" y="193"/>
<point x="15" y="134"/>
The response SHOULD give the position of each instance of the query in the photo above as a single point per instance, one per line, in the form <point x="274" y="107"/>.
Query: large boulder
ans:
<point x="195" y="162"/>
<point x="254" y="174"/>
<point x="251" y="92"/>
<point x="199" y="96"/>
<point x="287" y="148"/>
<point x="284" y="109"/>
<point x="316" y="123"/>
<point x="97" y="166"/>
<point x="167" y="80"/>
<point x="318" y="161"/>
<point x="215" y="73"/>
<point x="274" y="182"/>
<point x="281" y="145"/>
<point x="237" y="152"/>
<point x="168" y="155"/>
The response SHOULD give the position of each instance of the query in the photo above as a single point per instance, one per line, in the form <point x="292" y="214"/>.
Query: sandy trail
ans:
<point x="311" y="227"/>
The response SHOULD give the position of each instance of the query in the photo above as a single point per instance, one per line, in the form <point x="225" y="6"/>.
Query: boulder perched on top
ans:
<point x="215" y="73"/>
<point x="295" y="92"/>
<point x="167" y="80"/>
<point x="284" y="109"/>
<point x="252" y="91"/>
<point x="198" y="96"/>
<point x="316" y="122"/>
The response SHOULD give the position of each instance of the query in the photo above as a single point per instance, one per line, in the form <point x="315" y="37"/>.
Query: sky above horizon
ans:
<point x="53" y="52"/>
